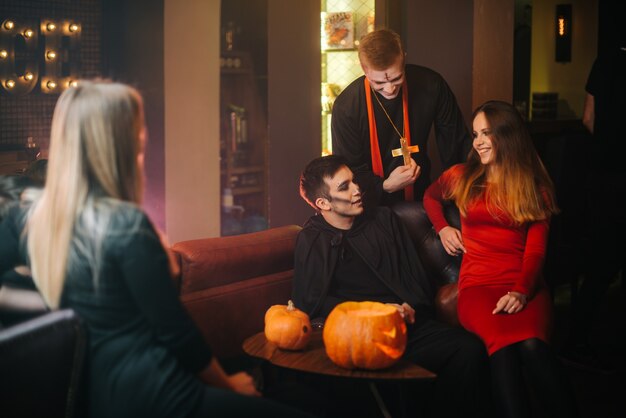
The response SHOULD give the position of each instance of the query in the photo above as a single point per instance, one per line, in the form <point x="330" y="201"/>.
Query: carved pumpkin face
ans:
<point x="287" y="327"/>
<point x="365" y="335"/>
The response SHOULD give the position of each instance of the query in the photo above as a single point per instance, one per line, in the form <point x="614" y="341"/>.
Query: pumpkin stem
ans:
<point x="290" y="306"/>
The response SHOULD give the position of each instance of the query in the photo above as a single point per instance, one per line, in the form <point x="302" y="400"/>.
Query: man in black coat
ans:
<point x="346" y="253"/>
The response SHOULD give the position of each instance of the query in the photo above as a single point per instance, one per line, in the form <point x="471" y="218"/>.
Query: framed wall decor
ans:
<point x="337" y="30"/>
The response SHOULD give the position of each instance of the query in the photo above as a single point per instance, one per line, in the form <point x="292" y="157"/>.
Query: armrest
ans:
<point x="445" y="304"/>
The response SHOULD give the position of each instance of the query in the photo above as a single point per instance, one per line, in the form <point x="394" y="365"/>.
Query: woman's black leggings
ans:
<point x="534" y="359"/>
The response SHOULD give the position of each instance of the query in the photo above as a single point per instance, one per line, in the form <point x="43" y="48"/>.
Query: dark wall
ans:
<point x="30" y="115"/>
<point x="294" y="69"/>
<point x="133" y="54"/>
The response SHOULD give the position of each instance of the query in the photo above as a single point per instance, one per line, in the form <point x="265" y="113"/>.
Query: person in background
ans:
<point x="91" y="248"/>
<point x="395" y="100"/>
<point x="603" y="115"/>
<point x="19" y="299"/>
<point x="506" y="199"/>
<point x="350" y="253"/>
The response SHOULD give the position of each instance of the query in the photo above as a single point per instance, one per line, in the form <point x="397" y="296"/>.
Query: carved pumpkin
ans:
<point x="365" y="335"/>
<point x="287" y="327"/>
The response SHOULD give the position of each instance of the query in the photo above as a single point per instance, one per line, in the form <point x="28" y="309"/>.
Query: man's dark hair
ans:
<point x="312" y="185"/>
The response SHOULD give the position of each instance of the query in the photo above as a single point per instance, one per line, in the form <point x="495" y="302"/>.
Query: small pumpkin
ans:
<point x="365" y="335"/>
<point x="287" y="327"/>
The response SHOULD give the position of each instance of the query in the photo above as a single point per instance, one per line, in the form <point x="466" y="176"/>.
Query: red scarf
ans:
<point x="377" y="162"/>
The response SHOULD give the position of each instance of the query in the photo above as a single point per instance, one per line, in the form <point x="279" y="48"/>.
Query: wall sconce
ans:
<point x="563" y="33"/>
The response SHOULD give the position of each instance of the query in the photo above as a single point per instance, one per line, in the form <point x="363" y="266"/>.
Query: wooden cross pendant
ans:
<point x="405" y="151"/>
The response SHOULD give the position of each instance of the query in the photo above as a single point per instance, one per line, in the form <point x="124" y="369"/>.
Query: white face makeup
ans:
<point x="345" y="195"/>
<point x="387" y="82"/>
<point x="482" y="139"/>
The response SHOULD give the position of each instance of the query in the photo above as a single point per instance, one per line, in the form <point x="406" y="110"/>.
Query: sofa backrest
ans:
<point x="228" y="283"/>
<point x="443" y="267"/>
<point x="41" y="366"/>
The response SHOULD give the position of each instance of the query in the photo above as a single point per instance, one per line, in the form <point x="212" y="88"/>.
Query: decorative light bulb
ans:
<point x="73" y="27"/>
<point x="28" y="33"/>
<point x="51" y="26"/>
<point x="10" y="84"/>
<point x="51" y="55"/>
<point x="8" y="25"/>
<point x="72" y="83"/>
<point x="28" y="76"/>
<point x="3" y="54"/>
<point x="51" y="85"/>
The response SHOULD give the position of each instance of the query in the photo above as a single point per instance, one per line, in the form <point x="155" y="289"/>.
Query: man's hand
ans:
<point x="512" y="302"/>
<point x="402" y="176"/>
<point x="452" y="240"/>
<point x="407" y="313"/>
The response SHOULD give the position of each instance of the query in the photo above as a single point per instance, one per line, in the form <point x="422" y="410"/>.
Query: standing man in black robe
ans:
<point x="344" y="253"/>
<point x="393" y="100"/>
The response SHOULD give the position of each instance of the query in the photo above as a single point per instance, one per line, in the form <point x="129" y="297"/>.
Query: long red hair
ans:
<point x="522" y="188"/>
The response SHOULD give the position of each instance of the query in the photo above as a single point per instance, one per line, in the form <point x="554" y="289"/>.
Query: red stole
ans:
<point x="377" y="162"/>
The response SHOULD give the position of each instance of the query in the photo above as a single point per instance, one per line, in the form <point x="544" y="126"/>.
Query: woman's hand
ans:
<point x="243" y="384"/>
<point x="452" y="240"/>
<point x="512" y="302"/>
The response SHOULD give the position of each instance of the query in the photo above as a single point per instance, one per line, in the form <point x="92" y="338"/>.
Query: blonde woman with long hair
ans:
<point x="506" y="199"/>
<point x="91" y="248"/>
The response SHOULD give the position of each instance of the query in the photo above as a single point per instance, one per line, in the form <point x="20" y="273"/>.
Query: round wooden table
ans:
<point x="313" y="359"/>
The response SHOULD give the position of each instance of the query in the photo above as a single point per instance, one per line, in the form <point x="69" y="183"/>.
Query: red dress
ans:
<point x="500" y="258"/>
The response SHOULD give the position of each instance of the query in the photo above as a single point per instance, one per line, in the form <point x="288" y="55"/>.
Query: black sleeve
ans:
<point x="145" y="270"/>
<point x="9" y="241"/>
<point x="311" y="276"/>
<point x="453" y="139"/>
<point x="353" y="143"/>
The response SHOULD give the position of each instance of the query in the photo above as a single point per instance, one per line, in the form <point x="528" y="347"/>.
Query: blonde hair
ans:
<point x="380" y="49"/>
<point x="522" y="188"/>
<point x="94" y="147"/>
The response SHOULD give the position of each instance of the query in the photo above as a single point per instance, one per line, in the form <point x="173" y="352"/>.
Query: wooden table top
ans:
<point x="313" y="359"/>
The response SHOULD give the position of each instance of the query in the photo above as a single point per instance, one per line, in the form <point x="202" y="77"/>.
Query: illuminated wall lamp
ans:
<point x="28" y="76"/>
<point x="9" y="84"/>
<point x="51" y="55"/>
<point x="563" y="33"/>
<point x="51" y="85"/>
<point x="50" y="27"/>
<point x="73" y="27"/>
<point x="4" y="54"/>
<point x="8" y="24"/>
<point x="28" y="33"/>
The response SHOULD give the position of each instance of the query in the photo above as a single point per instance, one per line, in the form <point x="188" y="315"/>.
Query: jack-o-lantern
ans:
<point x="287" y="327"/>
<point x="365" y="335"/>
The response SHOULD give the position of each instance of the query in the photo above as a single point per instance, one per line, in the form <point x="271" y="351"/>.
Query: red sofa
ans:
<point x="228" y="283"/>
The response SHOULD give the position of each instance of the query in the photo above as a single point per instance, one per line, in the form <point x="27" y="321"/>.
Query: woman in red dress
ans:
<point x="505" y="198"/>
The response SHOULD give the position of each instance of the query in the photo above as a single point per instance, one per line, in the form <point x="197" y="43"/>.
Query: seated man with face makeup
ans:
<point x="345" y="253"/>
<point x="394" y="100"/>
